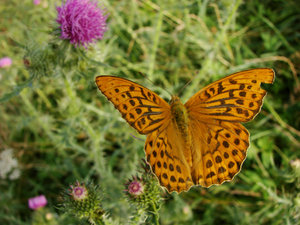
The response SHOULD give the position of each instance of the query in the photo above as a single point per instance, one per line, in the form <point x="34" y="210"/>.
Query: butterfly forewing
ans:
<point x="141" y="108"/>
<point x="235" y="98"/>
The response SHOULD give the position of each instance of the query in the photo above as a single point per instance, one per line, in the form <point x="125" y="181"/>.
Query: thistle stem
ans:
<point x="155" y="213"/>
<point x="96" y="221"/>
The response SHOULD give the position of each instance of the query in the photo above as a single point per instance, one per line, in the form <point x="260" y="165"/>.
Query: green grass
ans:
<point x="62" y="129"/>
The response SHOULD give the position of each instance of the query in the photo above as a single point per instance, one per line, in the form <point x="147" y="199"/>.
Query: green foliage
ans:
<point x="62" y="129"/>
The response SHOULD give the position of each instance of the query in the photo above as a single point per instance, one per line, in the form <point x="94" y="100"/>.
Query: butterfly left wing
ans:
<point x="141" y="108"/>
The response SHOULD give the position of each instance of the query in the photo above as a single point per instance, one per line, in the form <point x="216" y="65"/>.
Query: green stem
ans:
<point x="275" y="114"/>
<point x="277" y="31"/>
<point x="155" y="213"/>
<point x="277" y="117"/>
<point x="97" y="219"/>
<point x="155" y="45"/>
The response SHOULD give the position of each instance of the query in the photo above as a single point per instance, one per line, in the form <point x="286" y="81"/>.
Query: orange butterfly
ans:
<point x="200" y="142"/>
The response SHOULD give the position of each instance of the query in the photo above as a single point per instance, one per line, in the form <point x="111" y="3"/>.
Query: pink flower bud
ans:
<point x="79" y="191"/>
<point x="36" y="2"/>
<point x="135" y="187"/>
<point x="5" y="62"/>
<point x="37" y="202"/>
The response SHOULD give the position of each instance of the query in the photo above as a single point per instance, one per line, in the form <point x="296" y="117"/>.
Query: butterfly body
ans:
<point x="180" y="119"/>
<point x="201" y="142"/>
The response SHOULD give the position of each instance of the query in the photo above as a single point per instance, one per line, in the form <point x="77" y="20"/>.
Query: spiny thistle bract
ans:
<point x="84" y="201"/>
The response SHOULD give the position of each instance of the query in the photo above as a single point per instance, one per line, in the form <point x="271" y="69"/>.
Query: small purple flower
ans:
<point x="81" y="21"/>
<point x="135" y="187"/>
<point x="5" y="62"/>
<point x="37" y="202"/>
<point x="36" y="2"/>
<point x="79" y="191"/>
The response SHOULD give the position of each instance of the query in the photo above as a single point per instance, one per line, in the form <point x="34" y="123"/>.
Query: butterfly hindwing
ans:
<point x="164" y="152"/>
<point x="219" y="152"/>
<point x="141" y="108"/>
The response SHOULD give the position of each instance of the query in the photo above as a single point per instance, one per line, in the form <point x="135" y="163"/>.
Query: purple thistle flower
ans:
<point x="37" y="202"/>
<point x="79" y="191"/>
<point x="81" y="21"/>
<point x="135" y="187"/>
<point x="5" y="62"/>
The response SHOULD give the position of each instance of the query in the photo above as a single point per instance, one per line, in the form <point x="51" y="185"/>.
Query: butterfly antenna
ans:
<point x="181" y="90"/>
<point x="154" y="84"/>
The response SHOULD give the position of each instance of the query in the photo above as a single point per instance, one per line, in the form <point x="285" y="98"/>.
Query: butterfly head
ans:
<point x="175" y="100"/>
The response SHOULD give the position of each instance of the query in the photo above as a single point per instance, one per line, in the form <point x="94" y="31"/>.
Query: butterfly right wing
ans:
<point x="140" y="107"/>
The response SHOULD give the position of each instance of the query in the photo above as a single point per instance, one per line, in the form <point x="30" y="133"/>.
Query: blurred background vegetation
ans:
<point x="61" y="129"/>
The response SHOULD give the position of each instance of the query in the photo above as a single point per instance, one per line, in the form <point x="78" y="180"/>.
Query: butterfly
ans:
<point x="201" y="142"/>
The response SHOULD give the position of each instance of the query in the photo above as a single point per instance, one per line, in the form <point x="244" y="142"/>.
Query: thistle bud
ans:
<point x="78" y="192"/>
<point x="83" y="201"/>
<point x="135" y="187"/>
<point x="145" y="193"/>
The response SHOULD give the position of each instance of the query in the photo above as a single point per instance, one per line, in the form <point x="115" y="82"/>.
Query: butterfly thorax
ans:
<point x="179" y="112"/>
<point x="181" y="119"/>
